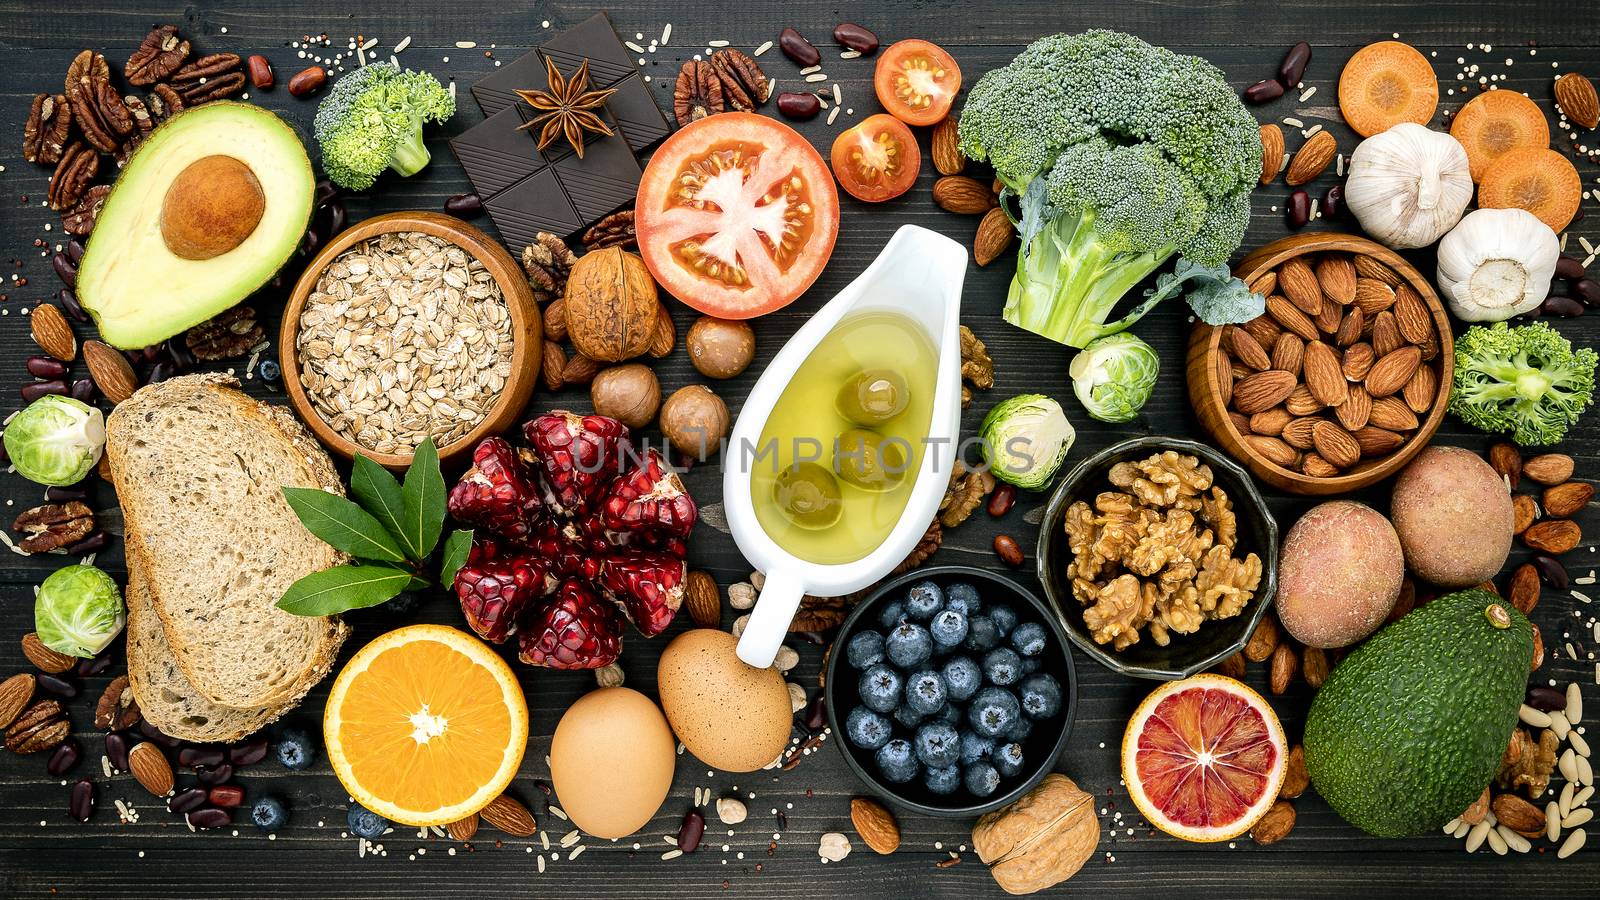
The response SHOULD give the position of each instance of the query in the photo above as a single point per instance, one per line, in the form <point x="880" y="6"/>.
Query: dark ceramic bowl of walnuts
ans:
<point x="1160" y="557"/>
<point x="951" y="690"/>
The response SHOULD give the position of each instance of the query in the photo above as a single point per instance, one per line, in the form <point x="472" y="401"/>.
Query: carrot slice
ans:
<point x="1385" y="84"/>
<point x="1494" y="123"/>
<point x="1536" y="179"/>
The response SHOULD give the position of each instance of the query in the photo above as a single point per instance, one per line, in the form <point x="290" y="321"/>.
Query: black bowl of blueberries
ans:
<point x="951" y="690"/>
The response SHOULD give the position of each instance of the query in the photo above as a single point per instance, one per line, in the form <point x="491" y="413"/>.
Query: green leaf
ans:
<point x="342" y="524"/>
<point x="343" y="588"/>
<point x="379" y="493"/>
<point x="456" y="548"/>
<point x="424" y="500"/>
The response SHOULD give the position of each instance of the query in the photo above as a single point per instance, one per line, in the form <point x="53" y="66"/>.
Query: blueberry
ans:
<point x="404" y="603"/>
<point x="975" y="747"/>
<point x="896" y="762"/>
<point x="962" y="678"/>
<point x="880" y="688"/>
<point x="982" y="634"/>
<point x="993" y="712"/>
<point x="1029" y="638"/>
<point x="981" y="779"/>
<point x="923" y="600"/>
<point x="1041" y="696"/>
<point x="907" y="717"/>
<point x="949" y="627"/>
<point x="269" y="371"/>
<point x="1008" y="759"/>
<point x="942" y="780"/>
<point x="950" y="714"/>
<point x="269" y="814"/>
<point x="908" y="646"/>
<point x="863" y="650"/>
<point x="1019" y="730"/>
<point x="962" y="596"/>
<point x="295" y="749"/>
<point x="925" y="692"/>
<point x="937" y="744"/>
<point x="892" y="614"/>
<point x="1002" y="666"/>
<point x="867" y="729"/>
<point x="1031" y="664"/>
<point x="364" y="823"/>
<point x="1005" y="618"/>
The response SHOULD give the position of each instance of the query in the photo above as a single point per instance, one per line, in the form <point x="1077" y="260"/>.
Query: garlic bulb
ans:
<point x="1408" y="185"/>
<point x="1497" y="264"/>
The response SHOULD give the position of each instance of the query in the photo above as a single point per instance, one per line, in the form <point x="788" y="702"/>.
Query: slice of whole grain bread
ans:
<point x="199" y="468"/>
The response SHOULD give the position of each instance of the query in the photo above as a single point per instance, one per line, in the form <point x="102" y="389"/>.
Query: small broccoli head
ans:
<point x="1139" y="201"/>
<point x="1525" y="381"/>
<point x="372" y="120"/>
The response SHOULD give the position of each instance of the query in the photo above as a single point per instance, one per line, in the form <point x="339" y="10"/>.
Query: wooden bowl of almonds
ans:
<point x="407" y="326"/>
<point x="1342" y="381"/>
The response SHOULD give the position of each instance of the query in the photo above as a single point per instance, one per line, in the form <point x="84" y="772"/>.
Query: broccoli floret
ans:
<point x="1143" y="153"/>
<point x="1525" y="381"/>
<point x="372" y="120"/>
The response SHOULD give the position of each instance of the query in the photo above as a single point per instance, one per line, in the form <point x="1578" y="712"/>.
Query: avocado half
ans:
<point x="207" y="210"/>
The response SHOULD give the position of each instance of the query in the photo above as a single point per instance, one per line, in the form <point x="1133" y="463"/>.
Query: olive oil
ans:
<point x="839" y="453"/>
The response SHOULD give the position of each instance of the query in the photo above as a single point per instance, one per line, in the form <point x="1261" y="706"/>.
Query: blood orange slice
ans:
<point x="1204" y="758"/>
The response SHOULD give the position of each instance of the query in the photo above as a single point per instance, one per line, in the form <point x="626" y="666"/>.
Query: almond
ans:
<point x="580" y="369"/>
<point x="962" y="195"/>
<point x="1295" y="777"/>
<point x="555" y="320"/>
<point x="666" y="334"/>
<point x="947" y="156"/>
<point x="1271" y="152"/>
<point x="1387" y="412"/>
<point x="1232" y="667"/>
<point x="1335" y="444"/>
<point x="1553" y="536"/>
<point x="1549" y="468"/>
<point x="15" y="692"/>
<point x="1567" y="499"/>
<point x="1241" y="424"/>
<point x="1412" y="316"/>
<point x="553" y="365"/>
<point x="1350" y="327"/>
<point x="1479" y="809"/>
<point x="1323" y="376"/>
<point x="1224" y="374"/>
<point x="1576" y="96"/>
<point x="1286" y="314"/>
<point x="1265" y="283"/>
<point x="1270" y="422"/>
<point x="1536" y="659"/>
<point x="1386" y="337"/>
<point x="1314" y="666"/>
<point x="110" y="370"/>
<point x="703" y="599"/>
<point x="1337" y="275"/>
<point x="1357" y="361"/>
<point x="463" y="829"/>
<point x="1316" y="467"/>
<point x="1263" y="640"/>
<point x="151" y="769"/>
<point x="875" y="824"/>
<point x="507" y="813"/>
<point x="1420" y="390"/>
<point x="1297" y="434"/>
<point x="1288" y="352"/>
<point x="1328" y="320"/>
<point x="1523" y="592"/>
<point x="1390" y="373"/>
<point x="52" y="332"/>
<point x="1272" y="450"/>
<point x="1262" y="391"/>
<point x="1264" y="329"/>
<point x="1523" y="512"/>
<point x="1373" y="296"/>
<point x="1299" y="283"/>
<point x="1301" y="403"/>
<point x="1518" y="815"/>
<point x="1355" y="410"/>
<point x="1282" y="668"/>
<point x="993" y="237"/>
<point x="43" y="658"/>
<point x="1279" y="819"/>
<point x="1367" y="267"/>
<point x="1375" y="441"/>
<point x="1311" y="159"/>
<point x="1246" y="350"/>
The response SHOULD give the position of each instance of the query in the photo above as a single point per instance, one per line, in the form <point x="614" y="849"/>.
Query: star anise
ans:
<point x="567" y="108"/>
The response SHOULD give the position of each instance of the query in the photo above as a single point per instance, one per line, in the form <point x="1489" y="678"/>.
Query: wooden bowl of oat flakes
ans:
<point x="405" y="326"/>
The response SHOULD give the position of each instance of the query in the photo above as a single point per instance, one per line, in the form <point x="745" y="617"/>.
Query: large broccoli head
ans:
<point x="372" y="120"/>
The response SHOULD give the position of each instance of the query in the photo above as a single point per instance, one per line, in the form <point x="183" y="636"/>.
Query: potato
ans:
<point x="1454" y="518"/>
<point x="1339" y="572"/>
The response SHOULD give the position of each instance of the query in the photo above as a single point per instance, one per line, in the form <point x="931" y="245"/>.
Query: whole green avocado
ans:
<point x="1411" y="726"/>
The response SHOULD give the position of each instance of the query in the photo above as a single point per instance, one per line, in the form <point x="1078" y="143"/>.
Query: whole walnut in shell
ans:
<point x="1040" y="840"/>
<point x="611" y="305"/>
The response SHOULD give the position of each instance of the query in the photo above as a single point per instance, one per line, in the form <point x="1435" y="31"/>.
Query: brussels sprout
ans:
<point x="78" y="611"/>
<point x="1025" y="439"/>
<point x="56" y="440"/>
<point x="1113" y="376"/>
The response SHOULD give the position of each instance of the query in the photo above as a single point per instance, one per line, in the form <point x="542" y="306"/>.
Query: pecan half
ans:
<point x="821" y="613"/>
<point x="140" y="113"/>
<point x="698" y="92"/>
<point x="42" y="726"/>
<point x="45" y="134"/>
<point x="53" y="525"/>
<point x="118" y="709"/>
<point x="79" y="219"/>
<point x="208" y="89"/>
<point x="165" y="102"/>
<point x="113" y="112"/>
<point x="88" y="68"/>
<point x="740" y="67"/>
<point x="228" y="334"/>
<point x="206" y="68"/>
<point x="79" y="164"/>
<point x="615" y="230"/>
<point x="160" y="54"/>
<point x="86" y="112"/>
<point x="733" y="93"/>
<point x="924" y="550"/>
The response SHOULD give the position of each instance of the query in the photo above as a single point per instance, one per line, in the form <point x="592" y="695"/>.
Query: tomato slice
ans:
<point x="877" y="159"/>
<point x="917" y="82"/>
<point x="736" y="215"/>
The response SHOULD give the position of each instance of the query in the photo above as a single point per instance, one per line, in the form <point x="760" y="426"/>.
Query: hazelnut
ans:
<point x="720" y="348"/>
<point x="630" y="394"/>
<point x="695" y="420"/>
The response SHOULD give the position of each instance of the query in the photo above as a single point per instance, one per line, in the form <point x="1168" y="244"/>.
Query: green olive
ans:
<point x="867" y="460"/>
<point x="873" y="396"/>
<point x="809" y="495"/>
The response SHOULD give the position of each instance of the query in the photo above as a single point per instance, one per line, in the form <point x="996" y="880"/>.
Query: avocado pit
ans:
<point x="211" y="207"/>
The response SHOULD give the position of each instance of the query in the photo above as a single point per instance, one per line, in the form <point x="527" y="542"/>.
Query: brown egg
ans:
<point x="611" y="761"/>
<point x="729" y="715"/>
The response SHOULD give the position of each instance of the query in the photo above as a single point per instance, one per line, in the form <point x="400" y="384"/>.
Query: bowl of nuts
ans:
<point x="1159" y="556"/>
<point x="1342" y="380"/>
<point x="408" y="326"/>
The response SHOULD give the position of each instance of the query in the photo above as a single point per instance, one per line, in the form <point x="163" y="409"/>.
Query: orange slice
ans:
<point x="1204" y="758"/>
<point x="1385" y="84"/>
<point x="1495" y="123"/>
<point x="1536" y="179"/>
<point x="425" y="725"/>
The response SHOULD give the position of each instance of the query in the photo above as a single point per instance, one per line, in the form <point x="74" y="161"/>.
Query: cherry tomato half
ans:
<point x="877" y="159"/>
<point x="917" y="82"/>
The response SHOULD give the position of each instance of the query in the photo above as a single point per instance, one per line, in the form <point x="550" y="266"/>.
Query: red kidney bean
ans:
<point x="65" y="757"/>
<point x="248" y="752"/>
<point x="69" y="302"/>
<point x="178" y="353"/>
<point x="155" y="735"/>
<point x="798" y="105"/>
<point x="337" y="217"/>
<point x="93" y="542"/>
<point x="1293" y="67"/>
<point x="187" y="800"/>
<point x="117" y="751"/>
<point x="853" y="37"/>
<point x="190" y="757"/>
<point x="57" y="685"/>
<point x="161" y="371"/>
<point x="1333" y="202"/>
<point x="151" y="353"/>
<point x="46" y="367"/>
<point x="690" y="832"/>
<point x="211" y="775"/>
<point x="32" y="392"/>
<point x="1557" y="305"/>
<point x="228" y="796"/>
<point x="1298" y="210"/>
<point x="306" y="81"/>
<point x="210" y="817"/>
<point x="1588" y="290"/>
<point x="1263" y="92"/>
<point x="260" y="72"/>
<point x="75" y="250"/>
<point x="1543" y="697"/>
<point x="1009" y="551"/>
<point x="82" y="390"/>
<point x="56" y="494"/>
<point x="97" y="666"/>
<point x="81" y="803"/>
<point x="311" y="241"/>
<point x="1569" y="267"/>
<point x="1001" y="499"/>
<point x="326" y="190"/>
<point x="1551" y="570"/>
<point x="796" y="47"/>
<point x="464" y="206"/>
<point x="816" y="713"/>
<point x="66" y="269"/>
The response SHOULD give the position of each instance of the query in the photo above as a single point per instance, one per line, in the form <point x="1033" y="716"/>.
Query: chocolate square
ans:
<point x="595" y="40"/>
<point x="495" y="154"/>
<point x="534" y="204"/>
<point x="636" y="111"/>
<point x="498" y="92"/>
<point x="606" y="178"/>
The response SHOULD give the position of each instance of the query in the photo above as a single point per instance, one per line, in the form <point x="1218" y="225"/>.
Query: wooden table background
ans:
<point x="43" y="851"/>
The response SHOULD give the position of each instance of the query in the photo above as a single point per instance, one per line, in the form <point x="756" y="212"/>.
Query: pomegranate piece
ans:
<point x="579" y="456"/>
<point x="500" y="491"/>
<point x="572" y="629"/>
<point x="569" y="551"/>
<point x="497" y="583"/>
<point x="648" y="585"/>
<point x="650" y="501"/>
